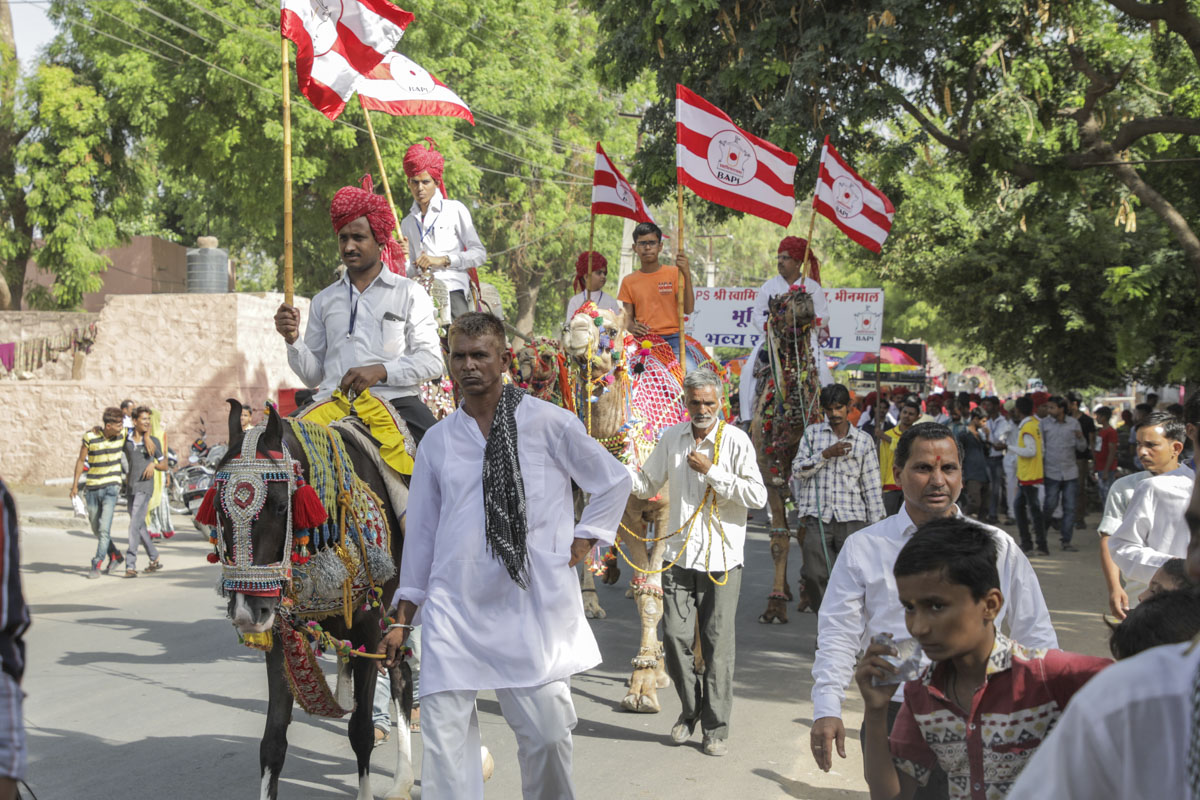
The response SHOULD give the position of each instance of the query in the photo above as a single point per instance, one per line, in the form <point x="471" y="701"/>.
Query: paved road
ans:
<point x="138" y="688"/>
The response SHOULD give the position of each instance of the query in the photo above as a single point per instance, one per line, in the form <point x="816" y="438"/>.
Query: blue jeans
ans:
<point x="689" y="362"/>
<point x="1104" y="481"/>
<point x="1027" y="506"/>
<point x="101" y="503"/>
<point x="998" y="492"/>
<point x="1067" y="490"/>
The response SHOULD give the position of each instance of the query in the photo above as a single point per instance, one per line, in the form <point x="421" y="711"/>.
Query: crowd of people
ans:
<point x="934" y="611"/>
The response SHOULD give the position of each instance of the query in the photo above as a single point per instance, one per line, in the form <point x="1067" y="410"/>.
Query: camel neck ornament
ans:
<point x="241" y="485"/>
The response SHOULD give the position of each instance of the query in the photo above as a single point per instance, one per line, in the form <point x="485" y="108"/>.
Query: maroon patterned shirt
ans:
<point x="984" y="750"/>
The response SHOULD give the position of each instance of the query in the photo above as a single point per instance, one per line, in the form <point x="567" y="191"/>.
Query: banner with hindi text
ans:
<point x="724" y="317"/>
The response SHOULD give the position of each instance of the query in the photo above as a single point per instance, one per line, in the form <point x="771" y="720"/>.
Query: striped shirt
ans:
<point x="14" y="614"/>
<point x="104" y="459"/>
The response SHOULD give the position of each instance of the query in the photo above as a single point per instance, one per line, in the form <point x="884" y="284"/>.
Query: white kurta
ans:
<point x="481" y="630"/>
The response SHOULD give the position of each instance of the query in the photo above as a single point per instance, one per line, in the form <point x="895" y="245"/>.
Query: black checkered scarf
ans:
<point x="507" y="526"/>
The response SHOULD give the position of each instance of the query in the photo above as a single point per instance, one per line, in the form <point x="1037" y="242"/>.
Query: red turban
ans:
<point x="797" y="248"/>
<point x="350" y="203"/>
<point x="581" y="267"/>
<point x="421" y="158"/>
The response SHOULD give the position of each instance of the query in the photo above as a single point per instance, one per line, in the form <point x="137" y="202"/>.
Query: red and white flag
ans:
<point x="723" y="163"/>
<point x="854" y="205"/>
<point x="337" y="43"/>
<point x="402" y="87"/>
<point x="612" y="194"/>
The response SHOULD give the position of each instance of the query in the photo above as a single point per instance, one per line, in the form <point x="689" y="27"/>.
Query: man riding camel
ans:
<point x="439" y="232"/>
<point x="373" y="328"/>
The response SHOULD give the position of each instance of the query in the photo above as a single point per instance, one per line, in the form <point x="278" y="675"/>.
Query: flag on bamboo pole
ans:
<point x="401" y="87"/>
<point x="726" y="165"/>
<point x="612" y="194"/>
<point x="854" y="205"/>
<point x="337" y="43"/>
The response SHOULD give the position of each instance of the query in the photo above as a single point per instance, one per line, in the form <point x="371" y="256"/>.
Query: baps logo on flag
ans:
<point x="624" y="196"/>
<point x="731" y="158"/>
<point x="326" y="16"/>
<point x="408" y="76"/>
<point x="847" y="198"/>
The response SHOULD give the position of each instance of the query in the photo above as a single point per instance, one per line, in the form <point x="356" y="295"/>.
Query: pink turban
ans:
<point x="350" y="203"/>
<point x="598" y="262"/>
<point x="797" y="248"/>
<point x="420" y="158"/>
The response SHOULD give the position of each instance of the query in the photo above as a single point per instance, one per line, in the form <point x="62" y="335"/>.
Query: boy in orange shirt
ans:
<point x="648" y="294"/>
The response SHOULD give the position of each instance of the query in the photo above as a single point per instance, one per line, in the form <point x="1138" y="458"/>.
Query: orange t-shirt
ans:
<point x="652" y="296"/>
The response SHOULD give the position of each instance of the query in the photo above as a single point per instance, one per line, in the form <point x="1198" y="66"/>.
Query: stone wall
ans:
<point x="181" y="353"/>
<point x="47" y="342"/>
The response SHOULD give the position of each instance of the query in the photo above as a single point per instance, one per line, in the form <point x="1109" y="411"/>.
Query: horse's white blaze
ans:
<point x="364" y="787"/>
<point x="265" y="793"/>
<point x="345" y="684"/>
<point x="405" y="777"/>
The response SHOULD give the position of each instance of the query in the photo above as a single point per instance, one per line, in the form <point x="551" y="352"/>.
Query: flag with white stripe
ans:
<point x="612" y="194"/>
<point x="337" y="43"/>
<point x="854" y="205"/>
<point x="726" y="165"/>
<point x="401" y="87"/>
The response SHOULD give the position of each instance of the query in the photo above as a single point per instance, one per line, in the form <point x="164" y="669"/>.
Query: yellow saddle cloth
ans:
<point x="382" y="420"/>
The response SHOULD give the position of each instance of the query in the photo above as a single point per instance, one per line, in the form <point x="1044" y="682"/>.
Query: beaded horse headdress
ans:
<point x="241" y="488"/>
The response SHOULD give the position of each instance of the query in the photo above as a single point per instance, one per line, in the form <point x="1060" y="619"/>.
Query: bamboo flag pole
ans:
<point x="591" y="240"/>
<point x="679" y="284"/>
<point x="287" y="175"/>
<point x="387" y="189"/>
<point x="808" y="247"/>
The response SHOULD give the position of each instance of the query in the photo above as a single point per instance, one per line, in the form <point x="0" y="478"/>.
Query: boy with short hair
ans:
<point x="648" y="293"/>
<point x="983" y="707"/>
<point x="100" y="453"/>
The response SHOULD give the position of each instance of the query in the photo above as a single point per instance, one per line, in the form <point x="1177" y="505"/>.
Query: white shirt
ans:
<point x="481" y="630"/>
<point x="393" y="326"/>
<point x="1119" y="495"/>
<point x="734" y="477"/>
<point x="446" y="230"/>
<point x="1154" y="529"/>
<point x="998" y="431"/>
<point x="777" y="284"/>
<point x="1124" y="735"/>
<point x="602" y="300"/>
<point x="861" y="601"/>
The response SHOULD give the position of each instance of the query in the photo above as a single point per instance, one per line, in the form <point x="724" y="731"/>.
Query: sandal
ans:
<point x="154" y="566"/>
<point x="414" y="720"/>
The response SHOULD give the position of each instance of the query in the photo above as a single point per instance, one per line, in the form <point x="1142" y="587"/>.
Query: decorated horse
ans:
<point x="785" y="404"/>
<point x="627" y="392"/>
<point x="308" y="549"/>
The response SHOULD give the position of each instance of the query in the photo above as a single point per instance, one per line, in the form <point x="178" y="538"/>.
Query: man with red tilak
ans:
<point x="440" y="234"/>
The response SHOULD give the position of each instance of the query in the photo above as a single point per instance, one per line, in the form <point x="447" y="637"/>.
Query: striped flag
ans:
<point x="337" y="43"/>
<point x="854" y="205"/>
<point x="401" y="87"/>
<point x="723" y="163"/>
<point x="612" y="194"/>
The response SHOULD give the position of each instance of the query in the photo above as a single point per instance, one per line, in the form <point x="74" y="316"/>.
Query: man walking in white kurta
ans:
<point x="488" y="556"/>
<point x="713" y="476"/>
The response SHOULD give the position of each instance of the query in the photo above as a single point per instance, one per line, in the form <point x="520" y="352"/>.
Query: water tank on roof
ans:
<point x="207" y="267"/>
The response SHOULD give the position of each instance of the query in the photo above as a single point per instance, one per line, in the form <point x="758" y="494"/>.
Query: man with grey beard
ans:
<point x="713" y="477"/>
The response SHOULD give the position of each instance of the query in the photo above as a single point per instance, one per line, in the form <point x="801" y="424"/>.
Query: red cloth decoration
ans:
<point x="420" y="158"/>
<point x="797" y="248"/>
<point x="213" y="558"/>
<point x="307" y="509"/>
<point x="350" y="203"/>
<point x="582" y="268"/>
<point x="206" y="514"/>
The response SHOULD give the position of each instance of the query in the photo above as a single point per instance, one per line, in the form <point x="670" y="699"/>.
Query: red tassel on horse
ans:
<point x="206" y="514"/>
<point x="307" y="509"/>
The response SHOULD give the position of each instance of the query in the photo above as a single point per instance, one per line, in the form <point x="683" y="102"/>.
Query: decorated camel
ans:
<point x="627" y="392"/>
<point x="785" y="403"/>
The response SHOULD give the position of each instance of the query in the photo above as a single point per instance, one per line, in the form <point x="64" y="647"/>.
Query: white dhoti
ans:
<point x="542" y="717"/>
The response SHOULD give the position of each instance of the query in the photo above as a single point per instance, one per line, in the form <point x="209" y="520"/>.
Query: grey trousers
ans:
<point x="139" y="503"/>
<point x="818" y="559"/>
<point x="706" y="698"/>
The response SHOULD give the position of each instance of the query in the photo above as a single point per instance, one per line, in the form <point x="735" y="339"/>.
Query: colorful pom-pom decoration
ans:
<point x="213" y="558"/>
